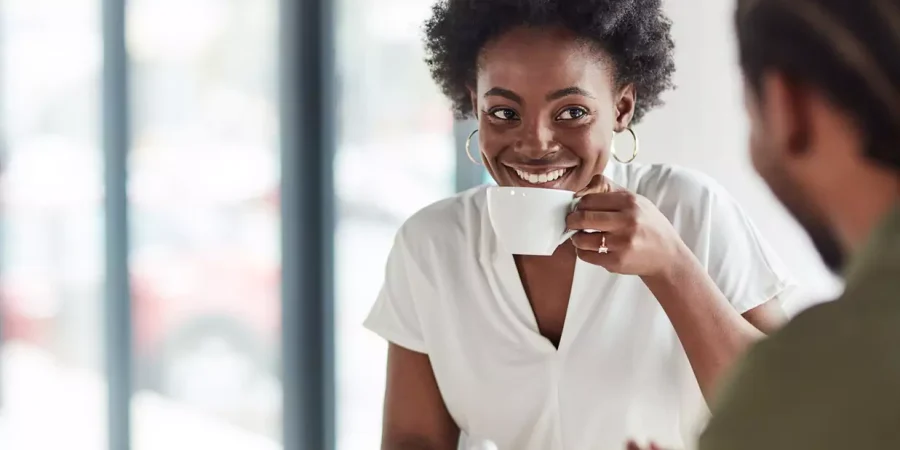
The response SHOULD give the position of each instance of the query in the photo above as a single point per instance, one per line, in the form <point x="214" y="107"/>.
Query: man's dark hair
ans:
<point x="847" y="49"/>
<point x="634" y="34"/>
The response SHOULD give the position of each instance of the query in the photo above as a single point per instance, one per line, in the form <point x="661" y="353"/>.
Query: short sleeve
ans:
<point x="394" y="315"/>
<point x="741" y="263"/>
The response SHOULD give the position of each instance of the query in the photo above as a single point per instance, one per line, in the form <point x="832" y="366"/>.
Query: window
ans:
<point x="203" y="194"/>
<point x="205" y="261"/>
<point x="396" y="154"/>
<point x="52" y="226"/>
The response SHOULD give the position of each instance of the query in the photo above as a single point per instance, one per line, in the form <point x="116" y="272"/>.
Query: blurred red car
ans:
<point x="205" y="287"/>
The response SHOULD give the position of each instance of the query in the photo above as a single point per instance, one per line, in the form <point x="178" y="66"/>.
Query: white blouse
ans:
<point x="620" y="372"/>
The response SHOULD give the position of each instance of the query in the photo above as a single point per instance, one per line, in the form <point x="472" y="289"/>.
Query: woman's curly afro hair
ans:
<point x="634" y="34"/>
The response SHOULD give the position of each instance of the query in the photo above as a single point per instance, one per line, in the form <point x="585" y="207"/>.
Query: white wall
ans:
<point x="703" y="126"/>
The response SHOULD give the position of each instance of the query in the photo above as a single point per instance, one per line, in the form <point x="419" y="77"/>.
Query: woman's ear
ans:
<point x="473" y="97"/>
<point x="626" y="101"/>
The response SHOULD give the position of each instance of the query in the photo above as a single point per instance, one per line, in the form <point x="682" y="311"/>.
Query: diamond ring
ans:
<point x="603" y="248"/>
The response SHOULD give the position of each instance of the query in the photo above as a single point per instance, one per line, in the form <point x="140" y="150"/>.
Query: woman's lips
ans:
<point x="540" y="177"/>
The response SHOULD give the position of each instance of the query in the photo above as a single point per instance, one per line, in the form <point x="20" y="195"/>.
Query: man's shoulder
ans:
<point x="831" y="374"/>
<point x="840" y="341"/>
<point x="847" y="329"/>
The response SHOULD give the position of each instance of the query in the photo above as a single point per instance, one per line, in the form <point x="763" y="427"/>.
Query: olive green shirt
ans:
<point x="830" y="379"/>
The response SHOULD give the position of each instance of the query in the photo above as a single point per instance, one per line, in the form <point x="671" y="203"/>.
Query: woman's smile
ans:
<point x="546" y="176"/>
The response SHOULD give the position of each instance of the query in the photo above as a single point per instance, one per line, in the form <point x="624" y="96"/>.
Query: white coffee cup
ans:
<point x="530" y="221"/>
<point x="482" y="445"/>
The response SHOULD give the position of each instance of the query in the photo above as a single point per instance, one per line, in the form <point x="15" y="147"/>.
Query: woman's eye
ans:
<point x="504" y="114"/>
<point x="572" y="114"/>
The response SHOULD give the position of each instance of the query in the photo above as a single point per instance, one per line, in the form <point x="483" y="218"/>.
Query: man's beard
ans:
<point x="823" y="239"/>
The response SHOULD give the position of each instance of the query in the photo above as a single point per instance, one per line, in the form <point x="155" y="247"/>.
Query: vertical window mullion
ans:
<point x="308" y="223"/>
<point x="116" y="140"/>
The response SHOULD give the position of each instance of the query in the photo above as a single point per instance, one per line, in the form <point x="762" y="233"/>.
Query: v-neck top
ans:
<point x="620" y="372"/>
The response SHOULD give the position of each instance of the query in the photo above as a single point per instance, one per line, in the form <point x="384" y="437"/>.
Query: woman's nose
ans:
<point x="536" y="140"/>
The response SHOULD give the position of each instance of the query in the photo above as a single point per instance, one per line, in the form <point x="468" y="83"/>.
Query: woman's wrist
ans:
<point x="680" y="258"/>
<point x="681" y="267"/>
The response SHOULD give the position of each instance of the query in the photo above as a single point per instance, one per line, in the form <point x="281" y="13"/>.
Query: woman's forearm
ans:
<point x="712" y="333"/>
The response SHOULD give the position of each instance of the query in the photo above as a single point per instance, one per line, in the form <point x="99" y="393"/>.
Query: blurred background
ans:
<point x="204" y="189"/>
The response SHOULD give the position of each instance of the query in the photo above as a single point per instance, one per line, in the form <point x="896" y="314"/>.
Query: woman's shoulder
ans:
<point x="689" y="198"/>
<point x="660" y="182"/>
<point x="449" y="221"/>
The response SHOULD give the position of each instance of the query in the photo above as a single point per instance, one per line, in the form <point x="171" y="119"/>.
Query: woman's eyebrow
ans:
<point x="505" y="93"/>
<point x="555" y="95"/>
<point x="573" y="90"/>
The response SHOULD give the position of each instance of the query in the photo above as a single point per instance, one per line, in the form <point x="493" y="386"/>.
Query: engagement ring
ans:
<point x="603" y="248"/>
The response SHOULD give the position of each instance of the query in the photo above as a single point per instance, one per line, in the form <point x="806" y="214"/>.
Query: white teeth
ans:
<point x="540" y="178"/>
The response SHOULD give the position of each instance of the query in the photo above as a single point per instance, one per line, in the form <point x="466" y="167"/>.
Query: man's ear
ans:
<point x="626" y="101"/>
<point x="786" y="109"/>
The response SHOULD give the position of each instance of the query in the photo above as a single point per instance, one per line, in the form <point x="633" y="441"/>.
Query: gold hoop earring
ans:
<point x="468" y="145"/>
<point x="634" y="151"/>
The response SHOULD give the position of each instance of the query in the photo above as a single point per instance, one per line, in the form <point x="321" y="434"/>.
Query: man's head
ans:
<point x="822" y="89"/>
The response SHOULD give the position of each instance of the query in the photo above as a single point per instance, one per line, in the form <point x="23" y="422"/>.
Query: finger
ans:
<point x="615" y="258"/>
<point x="632" y="446"/>
<point x="608" y="261"/>
<point x="590" y="243"/>
<point x="596" y="220"/>
<point x="593" y="241"/>
<point x="608" y="201"/>
<point x="599" y="184"/>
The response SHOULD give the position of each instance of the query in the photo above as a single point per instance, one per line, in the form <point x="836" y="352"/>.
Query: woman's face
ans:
<point x="547" y="108"/>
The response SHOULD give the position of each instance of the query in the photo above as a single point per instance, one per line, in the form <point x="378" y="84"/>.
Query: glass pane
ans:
<point x="205" y="222"/>
<point x="395" y="156"/>
<point x="51" y="360"/>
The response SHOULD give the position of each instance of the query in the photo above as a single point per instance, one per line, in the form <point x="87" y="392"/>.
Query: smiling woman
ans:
<point x="553" y="99"/>
<point x="618" y="334"/>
